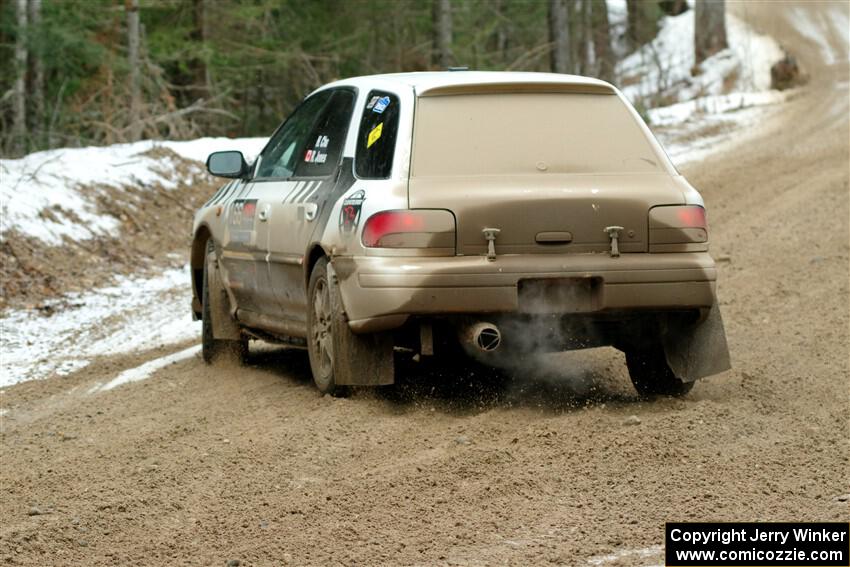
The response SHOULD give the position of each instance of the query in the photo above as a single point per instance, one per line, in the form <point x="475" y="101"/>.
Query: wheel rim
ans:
<point x="321" y="337"/>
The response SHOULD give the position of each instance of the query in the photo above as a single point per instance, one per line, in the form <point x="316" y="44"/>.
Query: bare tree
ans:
<point x="442" y="33"/>
<point x="641" y="21"/>
<point x="200" y="34"/>
<point x="673" y="7"/>
<point x="559" y="36"/>
<point x="709" y="28"/>
<point x="501" y="35"/>
<point x="37" y="75"/>
<point x="586" y="50"/>
<point x="633" y="18"/>
<point x="19" y="116"/>
<point x="602" y="41"/>
<point x="132" y="8"/>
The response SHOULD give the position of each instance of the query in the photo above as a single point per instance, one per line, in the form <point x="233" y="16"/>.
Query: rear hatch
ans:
<point x="550" y="170"/>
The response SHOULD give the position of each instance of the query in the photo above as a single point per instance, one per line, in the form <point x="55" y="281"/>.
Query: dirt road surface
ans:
<point x="201" y="466"/>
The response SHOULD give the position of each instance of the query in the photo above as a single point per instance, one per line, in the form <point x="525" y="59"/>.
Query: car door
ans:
<point x="240" y="256"/>
<point x="273" y="182"/>
<point x="315" y="177"/>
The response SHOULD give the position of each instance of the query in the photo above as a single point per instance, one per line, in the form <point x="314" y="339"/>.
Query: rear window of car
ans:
<point x="377" y="135"/>
<point x="522" y="133"/>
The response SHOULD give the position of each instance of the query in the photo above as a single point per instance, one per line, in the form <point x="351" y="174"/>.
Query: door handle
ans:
<point x="263" y="215"/>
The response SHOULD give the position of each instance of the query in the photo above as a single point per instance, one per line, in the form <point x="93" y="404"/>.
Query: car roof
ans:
<point x="444" y="82"/>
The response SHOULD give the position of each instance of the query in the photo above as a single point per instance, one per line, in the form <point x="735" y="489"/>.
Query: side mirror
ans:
<point x="229" y="164"/>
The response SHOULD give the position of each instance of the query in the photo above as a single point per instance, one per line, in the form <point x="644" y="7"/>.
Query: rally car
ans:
<point x="509" y="213"/>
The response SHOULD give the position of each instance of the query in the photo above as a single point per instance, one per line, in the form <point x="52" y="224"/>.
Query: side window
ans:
<point x="323" y="151"/>
<point x="376" y="137"/>
<point x="283" y="151"/>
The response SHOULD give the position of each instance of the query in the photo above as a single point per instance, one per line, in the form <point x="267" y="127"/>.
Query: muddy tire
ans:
<point x="213" y="349"/>
<point x="340" y="358"/>
<point x="652" y="376"/>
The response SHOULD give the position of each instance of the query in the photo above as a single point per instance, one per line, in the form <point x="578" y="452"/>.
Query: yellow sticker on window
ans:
<point x="374" y="135"/>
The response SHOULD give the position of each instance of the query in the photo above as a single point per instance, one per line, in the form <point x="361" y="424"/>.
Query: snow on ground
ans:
<point x="804" y="20"/>
<point x="643" y="555"/>
<point x="147" y="369"/>
<point x="135" y="315"/>
<point x="695" y="112"/>
<point x="662" y="69"/>
<point x="36" y="190"/>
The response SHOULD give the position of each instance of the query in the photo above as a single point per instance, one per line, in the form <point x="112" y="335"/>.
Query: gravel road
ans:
<point x="205" y="466"/>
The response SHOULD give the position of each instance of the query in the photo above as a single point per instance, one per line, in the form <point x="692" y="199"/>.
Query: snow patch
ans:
<point x="147" y="369"/>
<point x="662" y="69"/>
<point x="652" y="552"/>
<point x="52" y="194"/>
<point x="717" y="104"/>
<point x="696" y="112"/>
<point x="136" y="314"/>
<point x="806" y="22"/>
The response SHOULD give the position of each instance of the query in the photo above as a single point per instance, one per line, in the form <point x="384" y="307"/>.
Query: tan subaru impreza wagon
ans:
<point x="505" y="212"/>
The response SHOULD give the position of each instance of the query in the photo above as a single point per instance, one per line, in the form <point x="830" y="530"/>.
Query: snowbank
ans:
<point x="51" y="194"/>
<point x="137" y="314"/>
<point x="662" y="69"/>
<point x="806" y="24"/>
<point x="698" y="111"/>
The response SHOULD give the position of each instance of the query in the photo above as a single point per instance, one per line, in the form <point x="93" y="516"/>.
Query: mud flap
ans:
<point x="223" y="324"/>
<point x="697" y="350"/>
<point x="359" y="360"/>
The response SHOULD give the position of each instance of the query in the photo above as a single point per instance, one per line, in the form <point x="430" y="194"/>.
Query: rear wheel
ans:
<point x="320" y="343"/>
<point x="214" y="297"/>
<point x="339" y="357"/>
<point x="652" y="376"/>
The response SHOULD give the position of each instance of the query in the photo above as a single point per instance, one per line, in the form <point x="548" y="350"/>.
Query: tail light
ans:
<point x="678" y="229"/>
<point x="417" y="229"/>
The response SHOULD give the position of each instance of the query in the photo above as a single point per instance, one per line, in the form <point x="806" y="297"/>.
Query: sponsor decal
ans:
<point x="381" y="105"/>
<point x="315" y="156"/>
<point x="374" y="135"/>
<point x="372" y="102"/>
<point x="241" y="219"/>
<point x="322" y="142"/>
<point x="349" y="214"/>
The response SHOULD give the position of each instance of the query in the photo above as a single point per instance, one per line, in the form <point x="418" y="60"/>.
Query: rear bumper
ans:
<point x="380" y="293"/>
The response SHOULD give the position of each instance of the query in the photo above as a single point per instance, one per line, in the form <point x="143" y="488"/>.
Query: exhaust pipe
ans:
<point x="483" y="336"/>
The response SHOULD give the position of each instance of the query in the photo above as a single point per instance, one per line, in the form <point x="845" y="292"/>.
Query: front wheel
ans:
<point x="214" y="317"/>
<point x="652" y="376"/>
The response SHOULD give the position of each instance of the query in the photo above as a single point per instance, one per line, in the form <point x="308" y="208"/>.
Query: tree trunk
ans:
<point x="19" y="115"/>
<point x="132" y="7"/>
<point x="633" y="18"/>
<point x="673" y="7"/>
<point x="709" y="28"/>
<point x="641" y="21"/>
<point x="37" y="117"/>
<point x="443" y="57"/>
<point x="587" y="55"/>
<point x="602" y="42"/>
<point x="559" y="36"/>
<point x="501" y="34"/>
<point x="574" y="33"/>
<point x="199" y="34"/>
